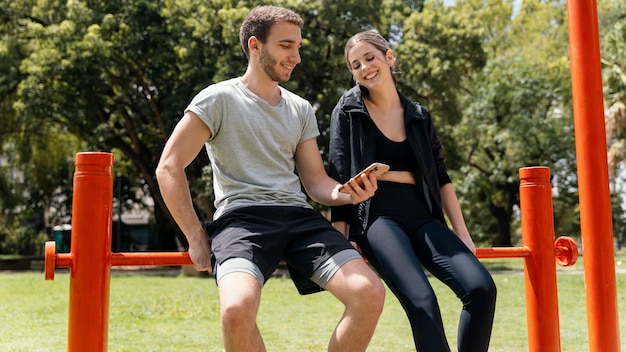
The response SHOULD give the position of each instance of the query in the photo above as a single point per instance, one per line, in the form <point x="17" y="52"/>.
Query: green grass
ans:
<point x="159" y="313"/>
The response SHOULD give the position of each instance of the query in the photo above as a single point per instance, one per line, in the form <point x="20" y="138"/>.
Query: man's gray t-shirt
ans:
<point x="252" y="145"/>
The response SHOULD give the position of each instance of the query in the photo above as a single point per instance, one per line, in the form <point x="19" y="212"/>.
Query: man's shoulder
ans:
<point x="219" y="88"/>
<point x="216" y="94"/>
<point x="291" y="96"/>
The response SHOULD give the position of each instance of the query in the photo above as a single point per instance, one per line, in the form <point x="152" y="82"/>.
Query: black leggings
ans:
<point x="399" y="242"/>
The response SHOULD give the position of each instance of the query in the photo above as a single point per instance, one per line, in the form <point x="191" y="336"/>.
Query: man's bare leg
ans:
<point x="363" y="294"/>
<point x="240" y="297"/>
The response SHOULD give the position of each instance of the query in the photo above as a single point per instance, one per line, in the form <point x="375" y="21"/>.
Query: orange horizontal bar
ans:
<point x="63" y="260"/>
<point x="182" y="258"/>
<point x="150" y="258"/>
<point x="503" y="252"/>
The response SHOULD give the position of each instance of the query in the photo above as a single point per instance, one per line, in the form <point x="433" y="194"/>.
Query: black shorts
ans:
<point x="266" y="234"/>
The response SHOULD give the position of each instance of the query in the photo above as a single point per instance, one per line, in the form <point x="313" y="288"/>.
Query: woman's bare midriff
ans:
<point x="398" y="176"/>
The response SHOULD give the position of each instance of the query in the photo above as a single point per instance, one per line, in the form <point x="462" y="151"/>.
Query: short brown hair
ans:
<point x="260" y="20"/>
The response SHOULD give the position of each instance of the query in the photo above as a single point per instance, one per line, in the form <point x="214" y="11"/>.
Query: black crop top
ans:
<point x="398" y="155"/>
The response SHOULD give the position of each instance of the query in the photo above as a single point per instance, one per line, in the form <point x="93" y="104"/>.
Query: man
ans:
<point x="257" y="134"/>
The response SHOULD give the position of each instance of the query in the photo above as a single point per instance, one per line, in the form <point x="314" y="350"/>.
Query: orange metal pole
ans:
<point x="542" y="312"/>
<point x="593" y="183"/>
<point x="90" y="252"/>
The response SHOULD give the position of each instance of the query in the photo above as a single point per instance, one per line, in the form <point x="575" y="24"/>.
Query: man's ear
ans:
<point x="253" y="44"/>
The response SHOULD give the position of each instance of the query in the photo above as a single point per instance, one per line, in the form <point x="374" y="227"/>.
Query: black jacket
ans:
<point x="352" y="148"/>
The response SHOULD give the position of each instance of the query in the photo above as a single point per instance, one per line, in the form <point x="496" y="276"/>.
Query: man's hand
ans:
<point x="356" y="246"/>
<point x="200" y="254"/>
<point x="360" y="194"/>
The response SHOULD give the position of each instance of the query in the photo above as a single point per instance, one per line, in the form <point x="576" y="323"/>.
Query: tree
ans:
<point x="613" y="45"/>
<point x="118" y="74"/>
<point x="612" y="25"/>
<point x="35" y="157"/>
<point x="488" y="75"/>
<point x="441" y="48"/>
<point x="519" y="105"/>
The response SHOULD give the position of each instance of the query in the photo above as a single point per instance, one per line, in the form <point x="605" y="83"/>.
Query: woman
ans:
<point x="402" y="229"/>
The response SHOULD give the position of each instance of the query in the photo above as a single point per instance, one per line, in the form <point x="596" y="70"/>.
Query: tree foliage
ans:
<point x="116" y="75"/>
<point x="614" y="78"/>
<point x="517" y="108"/>
<point x="612" y="14"/>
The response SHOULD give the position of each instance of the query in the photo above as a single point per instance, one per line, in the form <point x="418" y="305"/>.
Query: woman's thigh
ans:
<point x="447" y="258"/>
<point x="388" y="248"/>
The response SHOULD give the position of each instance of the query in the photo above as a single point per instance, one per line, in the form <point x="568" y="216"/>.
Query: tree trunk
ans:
<point x="504" y="214"/>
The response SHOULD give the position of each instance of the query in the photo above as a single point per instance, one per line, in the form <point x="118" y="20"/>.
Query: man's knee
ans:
<point x="368" y="295"/>
<point x="239" y="299"/>
<point x="376" y="289"/>
<point x="356" y="284"/>
<point x="237" y="314"/>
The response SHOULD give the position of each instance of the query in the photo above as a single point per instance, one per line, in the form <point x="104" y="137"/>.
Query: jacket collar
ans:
<point x="353" y="99"/>
<point x="353" y="102"/>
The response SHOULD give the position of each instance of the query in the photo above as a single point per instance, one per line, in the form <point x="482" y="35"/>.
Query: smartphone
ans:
<point x="377" y="168"/>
